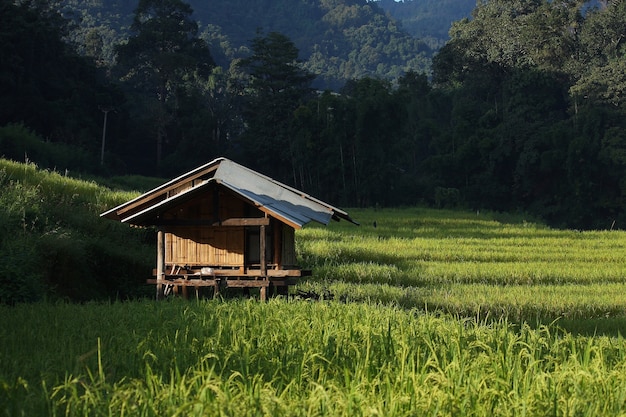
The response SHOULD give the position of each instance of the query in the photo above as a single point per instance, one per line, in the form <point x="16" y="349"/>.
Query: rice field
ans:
<point x="469" y="264"/>
<point x="433" y="313"/>
<point x="295" y="358"/>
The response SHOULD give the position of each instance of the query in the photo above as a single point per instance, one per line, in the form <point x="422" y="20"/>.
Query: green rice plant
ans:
<point x="441" y="313"/>
<point x="463" y="263"/>
<point x="62" y="189"/>
<point x="516" y="302"/>
<point x="298" y="358"/>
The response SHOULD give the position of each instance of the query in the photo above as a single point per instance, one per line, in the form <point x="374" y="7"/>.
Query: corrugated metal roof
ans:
<point x="272" y="197"/>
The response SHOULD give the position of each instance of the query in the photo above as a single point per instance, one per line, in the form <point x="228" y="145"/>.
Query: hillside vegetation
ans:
<point x="53" y="245"/>
<point x="338" y="40"/>
<point x="428" y="20"/>
<point x="523" y="109"/>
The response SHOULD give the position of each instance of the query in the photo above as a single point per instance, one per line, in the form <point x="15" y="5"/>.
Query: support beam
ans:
<point x="277" y="227"/>
<point x="246" y="221"/>
<point x="160" y="262"/>
<point x="263" y="244"/>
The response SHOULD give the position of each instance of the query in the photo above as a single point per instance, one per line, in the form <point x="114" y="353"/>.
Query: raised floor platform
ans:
<point x="277" y="280"/>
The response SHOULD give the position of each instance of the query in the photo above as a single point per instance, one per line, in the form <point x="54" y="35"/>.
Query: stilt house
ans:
<point x="224" y="225"/>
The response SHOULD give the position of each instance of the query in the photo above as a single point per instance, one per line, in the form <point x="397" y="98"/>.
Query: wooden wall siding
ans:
<point x="215" y="246"/>
<point x="208" y="246"/>
<point x="232" y="207"/>
<point x="288" y="255"/>
<point x="203" y="208"/>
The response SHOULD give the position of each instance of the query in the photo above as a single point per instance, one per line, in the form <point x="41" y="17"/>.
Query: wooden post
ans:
<point x="278" y="243"/>
<point x="184" y="291"/>
<point x="263" y="244"/>
<point x="160" y="263"/>
<point x="216" y="289"/>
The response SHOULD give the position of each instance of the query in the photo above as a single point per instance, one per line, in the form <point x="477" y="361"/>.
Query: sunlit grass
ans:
<point x="62" y="188"/>
<point x="297" y="358"/>
<point x="435" y="313"/>
<point x="53" y="243"/>
<point x="468" y="262"/>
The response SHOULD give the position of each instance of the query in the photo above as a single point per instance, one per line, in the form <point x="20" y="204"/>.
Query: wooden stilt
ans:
<point x="160" y="263"/>
<point x="216" y="291"/>
<point x="185" y="293"/>
<point x="263" y="244"/>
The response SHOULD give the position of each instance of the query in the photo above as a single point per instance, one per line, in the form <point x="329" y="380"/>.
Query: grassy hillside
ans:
<point x="54" y="245"/>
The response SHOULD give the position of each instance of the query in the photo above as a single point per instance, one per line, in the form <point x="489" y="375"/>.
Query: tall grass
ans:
<point x="297" y="358"/>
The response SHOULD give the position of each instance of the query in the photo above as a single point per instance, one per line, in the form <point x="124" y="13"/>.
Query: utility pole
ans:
<point x="106" y="111"/>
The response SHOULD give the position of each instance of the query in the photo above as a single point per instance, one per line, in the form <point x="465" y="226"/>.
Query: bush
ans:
<point x="19" y="143"/>
<point x="21" y="279"/>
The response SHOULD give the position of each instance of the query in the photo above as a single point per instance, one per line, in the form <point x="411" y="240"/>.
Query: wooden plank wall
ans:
<point x="288" y="255"/>
<point x="210" y="245"/>
<point x="205" y="246"/>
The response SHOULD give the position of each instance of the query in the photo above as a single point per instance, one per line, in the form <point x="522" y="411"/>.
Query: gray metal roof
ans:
<point x="278" y="200"/>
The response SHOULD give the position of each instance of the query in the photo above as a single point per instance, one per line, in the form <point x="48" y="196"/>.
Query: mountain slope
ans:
<point x="428" y="20"/>
<point x="338" y="39"/>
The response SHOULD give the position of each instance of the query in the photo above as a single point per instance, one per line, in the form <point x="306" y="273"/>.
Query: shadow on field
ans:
<point x="602" y="326"/>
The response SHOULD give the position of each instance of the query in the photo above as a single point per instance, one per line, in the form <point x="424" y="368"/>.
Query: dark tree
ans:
<point x="164" y="49"/>
<point x="277" y="86"/>
<point x="44" y="83"/>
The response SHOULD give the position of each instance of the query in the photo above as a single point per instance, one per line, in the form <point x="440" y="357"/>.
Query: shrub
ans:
<point x="19" y="143"/>
<point x="21" y="279"/>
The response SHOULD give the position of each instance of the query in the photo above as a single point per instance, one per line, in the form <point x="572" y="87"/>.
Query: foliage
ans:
<point x="19" y="143"/>
<point x="277" y="86"/>
<point x="428" y="20"/>
<point x="523" y="112"/>
<point x="43" y="79"/>
<point x="163" y="50"/>
<point x="339" y="40"/>
<point x="600" y="74"/>
<point x="518" y="72"/>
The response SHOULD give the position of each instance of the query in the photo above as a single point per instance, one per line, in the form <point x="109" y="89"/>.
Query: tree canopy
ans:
<point x="42" y="79"/>
<point x="163" y="51"/>
<point x="277" y="86"/>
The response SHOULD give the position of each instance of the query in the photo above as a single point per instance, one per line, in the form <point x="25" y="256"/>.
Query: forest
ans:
<point x="428" y="20"/>
<point x="521" y="109"/>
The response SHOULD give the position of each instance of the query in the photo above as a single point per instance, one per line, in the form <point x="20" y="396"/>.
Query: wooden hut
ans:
<point x="223" y="225"/>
